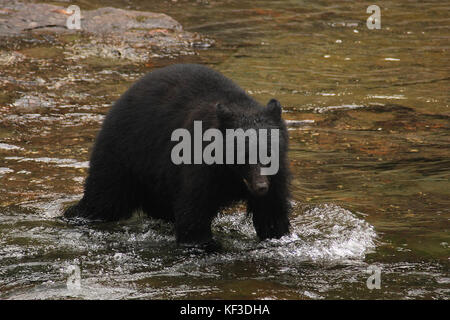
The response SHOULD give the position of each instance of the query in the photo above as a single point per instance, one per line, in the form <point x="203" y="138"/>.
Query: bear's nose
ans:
<point x="261" y="188"/>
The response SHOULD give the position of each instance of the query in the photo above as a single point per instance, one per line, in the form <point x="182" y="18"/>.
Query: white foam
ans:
<point x="326" y="232"/>
<point x="4" y="170"/>
<point x="341" y="107"/>
<point x="57" y="161"/>
<point x="6" y="146"/>
<point x="395" y="96"/>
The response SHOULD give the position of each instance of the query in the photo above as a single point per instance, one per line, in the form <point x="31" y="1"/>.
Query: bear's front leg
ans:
<point x="270" y="214"/>
<point x="193" y="218"/>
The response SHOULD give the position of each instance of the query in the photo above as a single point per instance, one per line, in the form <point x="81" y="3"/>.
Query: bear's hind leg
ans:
<point x="193" y="218"/>
<point x="157" y="207"/>
<point x="106" y="197"/>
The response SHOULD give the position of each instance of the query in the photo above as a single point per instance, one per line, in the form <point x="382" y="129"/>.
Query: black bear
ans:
<point x="132" y="167"/>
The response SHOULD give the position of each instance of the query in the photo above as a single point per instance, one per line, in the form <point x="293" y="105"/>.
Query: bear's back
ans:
<point x="182" y="84"/>
<point x="195" y="76"/>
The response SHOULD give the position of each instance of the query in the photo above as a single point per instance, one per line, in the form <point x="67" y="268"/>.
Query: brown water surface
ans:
<point x="368" y="115"/>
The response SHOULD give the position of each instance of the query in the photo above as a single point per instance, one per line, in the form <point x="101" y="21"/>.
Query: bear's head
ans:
<point x="255" y="142"/>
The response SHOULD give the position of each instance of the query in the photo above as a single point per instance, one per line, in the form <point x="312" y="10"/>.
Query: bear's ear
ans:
<point x="223" y="113"/>
<point x="274" y="109"/>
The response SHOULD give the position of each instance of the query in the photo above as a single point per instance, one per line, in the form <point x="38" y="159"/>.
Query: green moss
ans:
<point x="67" y="38"/>
<point x="43" y="52"/>
<point x="7" y="97"/>
<point x="100" y="62"/>
<point x="141" y="18"/>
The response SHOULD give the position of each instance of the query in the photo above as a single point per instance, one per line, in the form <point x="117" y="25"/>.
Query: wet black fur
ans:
<point x="131" y="168"/>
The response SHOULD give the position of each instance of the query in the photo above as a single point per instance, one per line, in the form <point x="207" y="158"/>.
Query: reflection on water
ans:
<point x="368" y="117"/>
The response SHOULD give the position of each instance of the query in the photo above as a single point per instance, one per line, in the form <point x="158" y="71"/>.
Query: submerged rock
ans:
<point x="30" y="103"/>
<point x="10" y="58"/>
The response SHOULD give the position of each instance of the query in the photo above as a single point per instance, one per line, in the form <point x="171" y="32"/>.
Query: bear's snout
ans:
<point x="258" y="186"/>
<point x="261" y="188"/>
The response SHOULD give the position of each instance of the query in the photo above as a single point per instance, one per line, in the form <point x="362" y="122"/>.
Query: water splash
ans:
<point x="323" y="233"/>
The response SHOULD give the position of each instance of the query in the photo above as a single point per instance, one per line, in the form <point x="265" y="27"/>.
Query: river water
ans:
<point x="368" y="115"/>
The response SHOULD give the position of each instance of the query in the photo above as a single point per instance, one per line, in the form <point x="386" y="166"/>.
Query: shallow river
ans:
<point x="368" y="115"/>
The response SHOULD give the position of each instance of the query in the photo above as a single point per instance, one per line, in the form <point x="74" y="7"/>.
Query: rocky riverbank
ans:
<point x="106" y="32"/>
